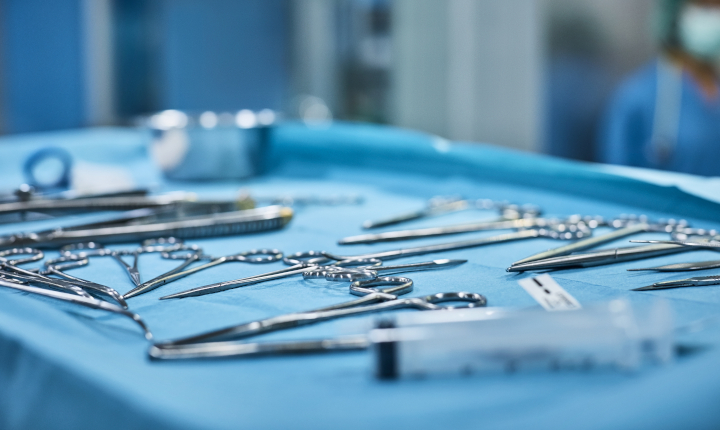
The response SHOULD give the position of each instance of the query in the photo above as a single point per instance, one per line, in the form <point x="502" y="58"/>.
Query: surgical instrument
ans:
<point x="11" y="270"/>
<point x="700" y="281"/>
<point x="600" y="257"/>
<point x="689" y="243"/>
<point x="59" y="265"/>
<point x="221" y="224"/>
<point x="89" y="302"/>
<point x="321" y="257"/>
<point x="248" y="201"/>
<point x="299" y="263"/>
<point x="503" y="224"/>
<point x="443" y="205"/>
<point x="254" y="256"/>
<point x="682" y="267"/>
<point x="341" y="274"/>
<point x="212" y="344"/>
<point x="93" y="249"/>
<point x="625" y="227"/>
<point x="96" y="203"/>
<point x="54" y="267"/>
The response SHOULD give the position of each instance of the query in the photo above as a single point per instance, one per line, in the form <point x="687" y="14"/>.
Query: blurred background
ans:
<point x="528" y="74"/>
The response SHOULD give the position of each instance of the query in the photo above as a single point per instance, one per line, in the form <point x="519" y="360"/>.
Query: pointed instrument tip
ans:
<point x="646" y="288"/>
<point x="640" y="270"/>
<point x="132" y="293"/>
<point x="181" y="295"/>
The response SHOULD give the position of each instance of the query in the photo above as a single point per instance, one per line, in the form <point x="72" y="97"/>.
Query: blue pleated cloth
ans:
<point x="66" y="367"/>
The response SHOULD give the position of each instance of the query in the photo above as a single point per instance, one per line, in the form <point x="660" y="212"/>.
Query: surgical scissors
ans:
<point x="216" y="344"/>
<point x="89" y="302"/>
<point x="319" y="258"/>
<point x="254" y="256"/>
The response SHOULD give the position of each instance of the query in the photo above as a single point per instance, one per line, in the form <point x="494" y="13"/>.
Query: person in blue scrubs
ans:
<point x="667" y="115"/>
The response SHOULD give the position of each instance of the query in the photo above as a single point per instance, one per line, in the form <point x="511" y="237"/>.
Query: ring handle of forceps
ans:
<point x="34" y="255"/>
<point x="345" y="270"/>
<point x="254" y="256"/>
<point x="160" y="244"/>
<point x="85" y="249"/>
<point x="306" y="258"/>
<point x="404" y="285"/>
<point x="193" y="251"/>
<point x="66" y="262"/>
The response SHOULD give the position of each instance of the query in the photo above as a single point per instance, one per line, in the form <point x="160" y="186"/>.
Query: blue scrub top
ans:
<point x="627" y="133"/>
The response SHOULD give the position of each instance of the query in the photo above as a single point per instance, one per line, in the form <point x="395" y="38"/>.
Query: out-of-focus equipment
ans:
<point x="210" y="146"/>
<point x="444" y="205"/>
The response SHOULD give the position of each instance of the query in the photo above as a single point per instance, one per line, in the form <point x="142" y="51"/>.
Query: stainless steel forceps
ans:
<point x="370" y="272"/>
<point x="626" y="226"/>
<point x="216" y="344"/>
<point x="89" y="302"/>
<point x="318" y="259"/>
<point x="254" y="256"/>
<point x="299" y="263"/>
<point x="11" y="271"/>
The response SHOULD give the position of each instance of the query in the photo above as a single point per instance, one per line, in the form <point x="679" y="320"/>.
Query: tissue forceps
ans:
<point x="700" y="281"/>
<point x="682" y="267"/>
<point x="89" y="302"/>
<point x="254" y="256"/>
<point x="215" y="344"/>
<point x="626" y="227"/>
<point x="600" y="257"/>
